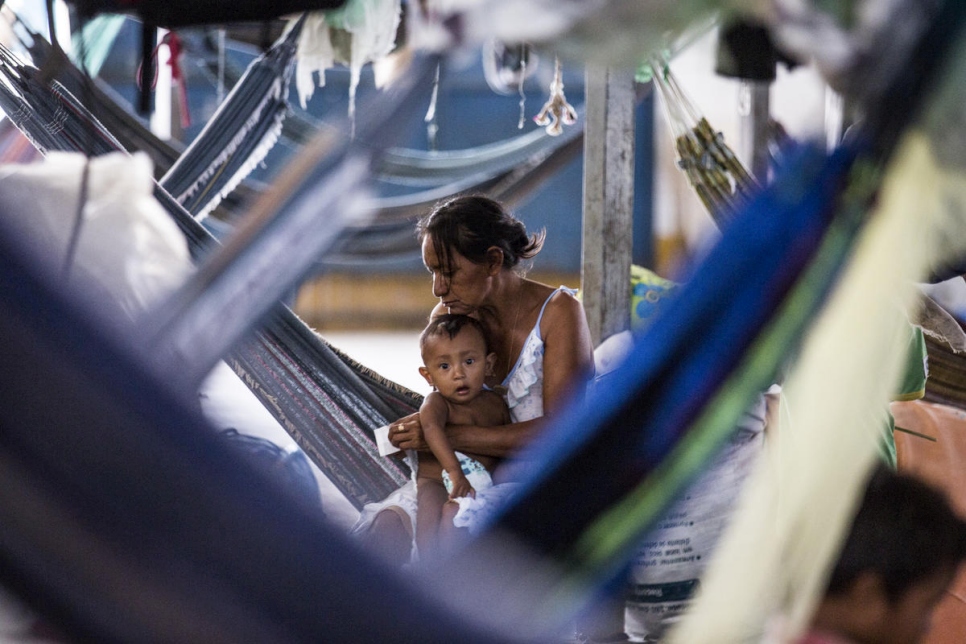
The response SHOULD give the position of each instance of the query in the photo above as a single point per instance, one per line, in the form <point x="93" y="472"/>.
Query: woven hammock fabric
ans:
<point x="101" y="99"/>
<point x="506" y="170"/>
<point x="239" y="134"/>
<point x="334" y="423"/>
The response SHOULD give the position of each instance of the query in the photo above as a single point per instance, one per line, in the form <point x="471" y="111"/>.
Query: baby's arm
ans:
<point x="432" y="416"/>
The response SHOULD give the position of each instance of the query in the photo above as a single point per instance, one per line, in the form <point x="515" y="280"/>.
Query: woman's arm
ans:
<point x="568" y="358"/>
<point x="498" y="441"/>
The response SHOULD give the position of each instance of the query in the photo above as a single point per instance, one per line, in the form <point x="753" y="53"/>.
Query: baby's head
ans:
<point x="456" y="356"/>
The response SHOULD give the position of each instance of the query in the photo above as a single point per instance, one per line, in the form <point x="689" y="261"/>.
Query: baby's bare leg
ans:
<point x="430" y="497"/>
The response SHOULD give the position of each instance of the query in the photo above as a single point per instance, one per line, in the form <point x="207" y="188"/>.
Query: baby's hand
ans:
<point x="461" y="486"/>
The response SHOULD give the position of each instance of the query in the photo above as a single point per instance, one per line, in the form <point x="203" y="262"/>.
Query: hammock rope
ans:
<point x="717" y="176"/>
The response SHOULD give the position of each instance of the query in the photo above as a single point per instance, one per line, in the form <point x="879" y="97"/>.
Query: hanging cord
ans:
<point x="175" y="49"/>
<point x="74" y="239"/>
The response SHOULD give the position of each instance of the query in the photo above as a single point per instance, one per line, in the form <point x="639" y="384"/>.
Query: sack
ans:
<point x="669" y="564"/>
<point x="129" y="253"/>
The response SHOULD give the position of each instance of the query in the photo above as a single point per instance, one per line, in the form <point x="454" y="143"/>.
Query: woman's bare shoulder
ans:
<point x="565" y="333"/>
<point x="564" y="309"/>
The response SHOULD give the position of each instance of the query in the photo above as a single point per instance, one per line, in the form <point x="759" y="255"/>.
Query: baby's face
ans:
<point x="456" y="366"/>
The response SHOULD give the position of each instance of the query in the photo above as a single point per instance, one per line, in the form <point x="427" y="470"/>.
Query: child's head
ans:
<point x="904" y="548"/>
<point x="456" y="356"/>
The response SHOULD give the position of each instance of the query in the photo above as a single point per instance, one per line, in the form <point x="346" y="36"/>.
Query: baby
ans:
<point x="456" y="361"/>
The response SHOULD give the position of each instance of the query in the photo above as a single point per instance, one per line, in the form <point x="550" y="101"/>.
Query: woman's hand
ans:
<point x="407" y="433"/>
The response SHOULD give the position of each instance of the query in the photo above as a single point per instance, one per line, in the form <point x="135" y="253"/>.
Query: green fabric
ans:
<point x="913" y="383"/>
<point x="912" y="386"/>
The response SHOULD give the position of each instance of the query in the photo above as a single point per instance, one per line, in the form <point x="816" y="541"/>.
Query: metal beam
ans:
<point x="754" y="110"/>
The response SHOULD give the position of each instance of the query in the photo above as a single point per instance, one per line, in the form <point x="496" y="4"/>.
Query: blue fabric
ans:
<point x="698" y="338"/>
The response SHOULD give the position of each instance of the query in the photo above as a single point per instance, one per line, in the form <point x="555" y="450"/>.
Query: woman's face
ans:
<point x="461" y="287"/>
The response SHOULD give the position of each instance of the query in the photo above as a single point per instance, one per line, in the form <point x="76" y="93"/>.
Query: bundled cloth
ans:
<point x="97" y="221"/>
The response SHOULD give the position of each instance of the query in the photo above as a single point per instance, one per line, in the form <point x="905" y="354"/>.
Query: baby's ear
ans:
<point x="490" y="364"/>
<point x="424" y="372"/>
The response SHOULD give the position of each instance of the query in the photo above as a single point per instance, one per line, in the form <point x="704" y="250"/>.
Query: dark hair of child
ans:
<point x="905" y="531"/>
<point x="450" y="324"/>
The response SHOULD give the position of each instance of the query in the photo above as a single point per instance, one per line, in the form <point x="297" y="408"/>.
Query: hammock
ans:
<point x="252" y="114"/>
<point x="391" y="233"/>
<point x="100" y="98"/>
<point x="400" y="165"/>
<point x="328" y="403"/>
<point x="718" y="178"/>
<point x="508" y="169"/>
<point x="423" y="168"/>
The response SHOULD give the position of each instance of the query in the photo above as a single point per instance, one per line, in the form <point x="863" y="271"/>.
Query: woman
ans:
<point x="473" y="248"/>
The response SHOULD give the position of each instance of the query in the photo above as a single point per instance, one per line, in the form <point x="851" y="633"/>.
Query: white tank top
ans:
<point x="524" y="383"/>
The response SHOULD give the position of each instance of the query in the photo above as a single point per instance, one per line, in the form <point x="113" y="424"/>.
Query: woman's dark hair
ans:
<point x="905" y="531"/>
<point x="471" y="225"/>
